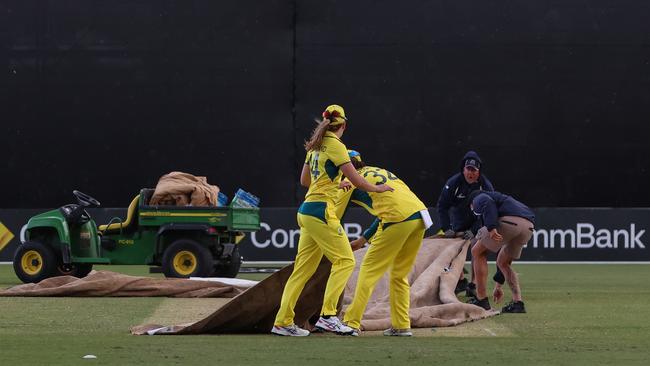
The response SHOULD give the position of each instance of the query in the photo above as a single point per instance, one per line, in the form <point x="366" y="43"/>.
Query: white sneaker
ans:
<point x="333" y="324"/>
<point x="290" y="330"/>
<point x="392" y="332"/>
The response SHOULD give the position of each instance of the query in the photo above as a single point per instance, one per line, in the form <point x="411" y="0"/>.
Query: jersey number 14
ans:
<point x="313" y="166"/>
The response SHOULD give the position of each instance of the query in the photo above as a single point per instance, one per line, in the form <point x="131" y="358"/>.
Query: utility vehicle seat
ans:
<point x="131" y="219"/>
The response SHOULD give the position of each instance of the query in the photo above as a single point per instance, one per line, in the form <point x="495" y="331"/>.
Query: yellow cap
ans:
<point x="335" y="113"/>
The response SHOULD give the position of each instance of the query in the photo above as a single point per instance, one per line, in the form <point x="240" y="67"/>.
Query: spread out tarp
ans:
<point x="182" y="189"/>
<point x="433" y="302"/>
<point x="253" y="308"/>
<point x="433" y="281"/>
<point x="106" y="283"/>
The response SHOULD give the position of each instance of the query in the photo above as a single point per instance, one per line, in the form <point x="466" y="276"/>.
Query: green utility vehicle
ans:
<point x="184" y="240"/>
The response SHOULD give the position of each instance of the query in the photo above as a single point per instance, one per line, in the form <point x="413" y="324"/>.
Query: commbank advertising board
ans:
<point x="561" y="234"/>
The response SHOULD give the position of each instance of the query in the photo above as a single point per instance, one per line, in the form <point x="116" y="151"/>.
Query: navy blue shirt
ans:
<point x="453" y="212"/>
<point x="489" y="206"/>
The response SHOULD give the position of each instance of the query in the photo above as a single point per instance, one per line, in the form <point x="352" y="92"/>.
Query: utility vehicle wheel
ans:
<point x="186" y="258"/>
<point x="34" y="262"/>
<point x="230" y="268"/>
<point x="79" y="270"/>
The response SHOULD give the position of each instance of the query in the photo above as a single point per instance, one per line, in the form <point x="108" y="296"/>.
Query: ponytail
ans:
<point x="317" y="135"/>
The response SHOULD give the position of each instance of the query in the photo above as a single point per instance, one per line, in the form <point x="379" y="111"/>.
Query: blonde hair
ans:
<point x="316" y="139"/>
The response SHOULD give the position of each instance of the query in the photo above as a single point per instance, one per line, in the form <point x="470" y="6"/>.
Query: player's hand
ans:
<point x="497" y="294"/>
<point x="383" y="188"/>
<point x="449" y="233"/>
<point x="494" y="234"/>
<point x="345" y="185"/>
<point x="468" y="234"/>
<point x="358" y="243"/>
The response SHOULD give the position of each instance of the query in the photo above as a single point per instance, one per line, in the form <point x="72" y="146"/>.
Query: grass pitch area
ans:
<point x="577" y="314"/>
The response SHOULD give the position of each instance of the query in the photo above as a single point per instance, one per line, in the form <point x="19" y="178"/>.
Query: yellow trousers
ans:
<point x="317" y="238"/>
<point x="394" y="247"/>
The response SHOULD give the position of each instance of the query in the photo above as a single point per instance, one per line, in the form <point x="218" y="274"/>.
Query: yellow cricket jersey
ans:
<point x="324" y="169"/>
<point x="389" y="207"/>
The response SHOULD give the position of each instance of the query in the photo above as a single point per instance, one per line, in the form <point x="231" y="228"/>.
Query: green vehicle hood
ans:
<point x="53" y="219"/>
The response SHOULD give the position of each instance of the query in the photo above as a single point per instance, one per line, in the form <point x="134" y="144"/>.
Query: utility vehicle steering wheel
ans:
<point x="85" y="200"/>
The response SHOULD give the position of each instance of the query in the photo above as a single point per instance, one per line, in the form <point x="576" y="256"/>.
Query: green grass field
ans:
<point x="577" y="314"/>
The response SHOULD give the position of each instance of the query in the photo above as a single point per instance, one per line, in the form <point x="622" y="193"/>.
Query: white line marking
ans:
<point x="579" y="262"/>
<point x="261" y="263"/>
<point x="490" y="332"/>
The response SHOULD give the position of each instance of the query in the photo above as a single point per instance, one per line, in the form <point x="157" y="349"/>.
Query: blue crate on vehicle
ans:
<point x="244" y="199"/>
<point x="222" y="200"/>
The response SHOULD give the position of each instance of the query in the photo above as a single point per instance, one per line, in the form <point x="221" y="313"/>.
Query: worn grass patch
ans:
<point x="577" y="315"/>
<point x="178" y="311"/>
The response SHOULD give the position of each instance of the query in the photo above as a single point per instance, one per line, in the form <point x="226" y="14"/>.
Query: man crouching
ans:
<point x="508" y="225"/>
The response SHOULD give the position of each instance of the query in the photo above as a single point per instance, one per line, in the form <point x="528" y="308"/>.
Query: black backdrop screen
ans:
<point x="106" y="97"/>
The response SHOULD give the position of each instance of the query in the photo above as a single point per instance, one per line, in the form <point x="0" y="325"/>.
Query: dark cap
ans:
<point x="473" y="163"/>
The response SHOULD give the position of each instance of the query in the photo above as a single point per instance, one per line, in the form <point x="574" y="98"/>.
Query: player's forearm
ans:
<point x="356" y="179"/>
<point x="445" y="221"/>
<point x="499" y="277"/>
<point x="370" y="231"/>
<point x="305" y="176"/>
<point x="361" y="183"/>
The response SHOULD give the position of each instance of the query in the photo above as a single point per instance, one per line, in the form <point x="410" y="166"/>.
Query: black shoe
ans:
<point x="514" y="307"/>
<point x="484" y="303"/>
<point x="461" y="286"/>
<point x="470" y="291"/>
